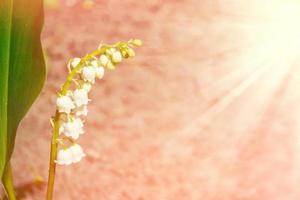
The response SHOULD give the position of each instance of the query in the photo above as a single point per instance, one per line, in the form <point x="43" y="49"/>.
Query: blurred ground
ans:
<point x="207" y="110"/>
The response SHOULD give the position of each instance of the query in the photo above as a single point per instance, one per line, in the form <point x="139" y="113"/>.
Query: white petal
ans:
<point x="110" y="65"/>
<point x="64" y="157"/>
<point x="86" y="86"/>
<point x="73" y="128"/>
<point x="77" y="153"/>
<point x="80" y="97"/>
<point x="65" y="104"/>
<point x="78" y="123"/>
<point x="72" y="134"/>
<point x="81" y="111"/>
<point x="95" y="63"/>
<point x="88" y="74"/>
<point x="99" y="71"/>
<point x="75" y="62"/>
<point x="61" y="129"/>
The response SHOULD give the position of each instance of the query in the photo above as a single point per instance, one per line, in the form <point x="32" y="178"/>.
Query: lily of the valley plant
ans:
<point x="73" y="99"/>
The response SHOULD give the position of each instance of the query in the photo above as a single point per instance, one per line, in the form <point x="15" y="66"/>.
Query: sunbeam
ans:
<point x="276" y="50"/>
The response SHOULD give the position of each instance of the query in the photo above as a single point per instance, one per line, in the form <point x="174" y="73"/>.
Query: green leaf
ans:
<point x="22" y="67"/>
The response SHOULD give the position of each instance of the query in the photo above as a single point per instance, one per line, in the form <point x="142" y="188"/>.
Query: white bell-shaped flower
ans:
<point x="72" y="128"/>
<point x="95" y="63"/>
<point x="116" y="57"/>
<point x="64" y="157"/>
<point x="77" y="153"/>
<point x="103" y="60"/>
<point x="65" y="104"/>
<point x="86" y="86"/>
<point x="88" y="74"/>
<point x="80" y="97"/>
<point x="81" y="111"/>
<point x="99" y="71"/>
<point x="75" y="62"/>
<point x="110" y="65"/>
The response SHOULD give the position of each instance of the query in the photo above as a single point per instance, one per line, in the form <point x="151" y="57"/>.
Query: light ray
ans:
<point x="281" y="41"/>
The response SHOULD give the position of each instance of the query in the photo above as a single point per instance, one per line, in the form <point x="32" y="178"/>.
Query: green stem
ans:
<point x="53" y="154"/>
<point x="7" y="180"/>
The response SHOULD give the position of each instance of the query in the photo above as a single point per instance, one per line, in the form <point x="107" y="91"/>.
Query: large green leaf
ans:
<point x="22" y="67"/>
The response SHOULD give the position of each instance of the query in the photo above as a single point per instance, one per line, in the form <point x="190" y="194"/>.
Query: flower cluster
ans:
<point x="72" y="103"/>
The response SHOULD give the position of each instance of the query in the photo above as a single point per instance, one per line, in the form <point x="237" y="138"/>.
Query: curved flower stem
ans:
<point x="56" y="121"/>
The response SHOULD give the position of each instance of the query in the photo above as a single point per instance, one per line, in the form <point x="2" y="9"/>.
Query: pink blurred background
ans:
<point x="208" y="109"/>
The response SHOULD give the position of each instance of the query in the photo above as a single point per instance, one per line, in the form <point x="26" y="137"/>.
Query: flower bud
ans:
<point x="117" y="57"/>
<point x="103" y="60"/>
<point x="131" y="52"/>
<point x="137" y="42"/>
<point x="110" y="65"/>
